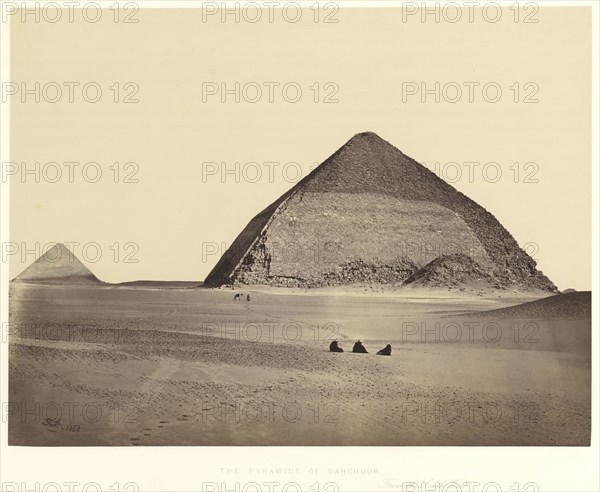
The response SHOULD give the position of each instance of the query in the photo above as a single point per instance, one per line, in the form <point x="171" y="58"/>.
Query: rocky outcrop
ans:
<point x="451" y="271"/>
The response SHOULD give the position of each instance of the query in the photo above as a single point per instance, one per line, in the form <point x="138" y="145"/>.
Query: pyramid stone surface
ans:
<point x="370" y="213"/>
<point x="58" y="263"/>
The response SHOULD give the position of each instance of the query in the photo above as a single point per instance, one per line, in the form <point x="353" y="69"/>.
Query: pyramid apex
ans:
<point x="369" y="139"/>
<point x="59" y="249"/>
<point x="366" y="135"/>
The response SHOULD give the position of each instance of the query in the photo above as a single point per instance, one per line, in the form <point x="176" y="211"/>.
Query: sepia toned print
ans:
<point x="305" y="224"/>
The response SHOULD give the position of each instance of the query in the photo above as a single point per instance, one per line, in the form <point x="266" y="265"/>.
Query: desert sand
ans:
<point x="144" y="364"/>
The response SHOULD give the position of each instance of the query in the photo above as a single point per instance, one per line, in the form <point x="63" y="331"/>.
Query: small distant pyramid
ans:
<point x="370" y="213"/>
<point x="57" y="264"/>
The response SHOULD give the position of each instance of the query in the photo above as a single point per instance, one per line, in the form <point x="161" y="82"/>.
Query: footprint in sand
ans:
<point x="163" y="422"/>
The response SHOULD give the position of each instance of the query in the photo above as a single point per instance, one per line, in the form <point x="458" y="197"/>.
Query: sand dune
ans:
<point x="572" y="305"/>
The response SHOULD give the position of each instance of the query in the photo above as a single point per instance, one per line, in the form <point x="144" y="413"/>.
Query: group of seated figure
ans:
<point x="359" y="348"/>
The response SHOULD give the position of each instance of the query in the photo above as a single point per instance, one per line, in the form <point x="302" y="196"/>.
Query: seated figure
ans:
<point x="385" y="351"/>
<point x="359" y="348"/>
<point x="333" y="347"/>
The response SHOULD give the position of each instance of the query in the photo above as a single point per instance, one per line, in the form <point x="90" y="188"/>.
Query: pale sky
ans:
<point x="172" y="59"/>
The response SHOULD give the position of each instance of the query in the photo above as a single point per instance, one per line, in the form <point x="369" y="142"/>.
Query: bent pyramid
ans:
<point x="371" y="214"/>
<point x="57" y="264"/>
